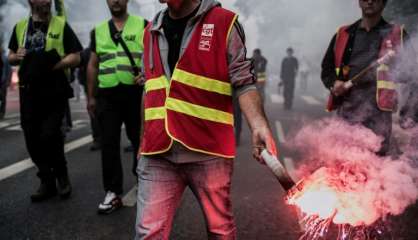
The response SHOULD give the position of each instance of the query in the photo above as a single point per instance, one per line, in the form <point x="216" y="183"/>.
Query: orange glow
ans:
<point x="325" y="194"/>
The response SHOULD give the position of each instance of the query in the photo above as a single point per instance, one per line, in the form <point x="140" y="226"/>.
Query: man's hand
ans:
<point x="140" y="79"/>
<point x="15" y="58"/>
<point x="20" y="54"/>
<point x="339" y="88"/>
<point x="91" y="107"/>
<point x="263" y="139"/>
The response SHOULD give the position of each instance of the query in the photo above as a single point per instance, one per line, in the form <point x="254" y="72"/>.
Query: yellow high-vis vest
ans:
<point x="114" y="64"/>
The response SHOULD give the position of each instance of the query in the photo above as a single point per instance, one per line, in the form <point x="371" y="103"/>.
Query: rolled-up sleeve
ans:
<point x="241" y="69"/>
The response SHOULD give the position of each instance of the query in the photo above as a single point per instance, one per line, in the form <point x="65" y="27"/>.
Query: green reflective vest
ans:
<point x="54" y="38"/>
<point x="114" y="64"/>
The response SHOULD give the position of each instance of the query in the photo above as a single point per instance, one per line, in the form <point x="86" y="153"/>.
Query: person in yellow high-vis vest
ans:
<point x="114" y="67"/>
<point x="45" y="47"/>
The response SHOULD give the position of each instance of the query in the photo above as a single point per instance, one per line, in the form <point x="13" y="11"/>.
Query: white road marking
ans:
<point x="276" y="98"/>
<point x="129" y="200"/>
<point x="9" y="123"/>
<point x="310" y="100"/>
<point x="27" y="163"/>
<point x="14" y="128"/>
<point x="78" y="124"/>
<point x="280" y="132"/>
<point x="12" y="115"/>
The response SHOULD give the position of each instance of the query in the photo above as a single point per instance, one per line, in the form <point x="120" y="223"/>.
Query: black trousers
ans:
<point x="116" y="106"/>
<point x="288" y="92"/>
<point x="41" y="123"/>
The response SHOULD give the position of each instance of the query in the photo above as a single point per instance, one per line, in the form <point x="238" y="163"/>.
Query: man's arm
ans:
<point x="92" y="73"/>
<point x="328" y="75"/>
<point x="262" y="137"/>
<point x="72" y="48"/>
<point x="70" y="61"/>
<point x="243" y="81"/>
<point x="16" y="54"/>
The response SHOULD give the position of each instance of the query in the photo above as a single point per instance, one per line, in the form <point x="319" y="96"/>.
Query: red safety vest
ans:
<point x="195" y="107"/>
<point x="386" y="95"/>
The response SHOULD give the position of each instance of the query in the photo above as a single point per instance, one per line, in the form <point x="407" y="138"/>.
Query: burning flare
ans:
<point x="354" y="188"/>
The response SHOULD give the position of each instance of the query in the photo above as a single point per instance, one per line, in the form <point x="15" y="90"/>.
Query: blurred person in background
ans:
<point x="45" y="47"/>
<point x="289" y="71"/>
<point x="114" y="80"/>
<point x="260" y="70"/>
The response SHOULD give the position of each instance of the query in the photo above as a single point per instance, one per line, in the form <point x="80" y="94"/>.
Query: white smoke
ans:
<point x="12" y="12"/>
<point x="370" y="187"/>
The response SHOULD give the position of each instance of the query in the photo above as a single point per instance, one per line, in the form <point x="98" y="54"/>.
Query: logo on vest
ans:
<point x="206" y="37"/>
<point x="130" y="38"/>
<point x="54" y="36"/>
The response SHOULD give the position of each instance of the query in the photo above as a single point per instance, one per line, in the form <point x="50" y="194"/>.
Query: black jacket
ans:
<point x="38" y="78"/>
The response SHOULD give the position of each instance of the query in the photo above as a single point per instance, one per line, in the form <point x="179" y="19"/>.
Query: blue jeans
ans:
<point x="161" y="184"/>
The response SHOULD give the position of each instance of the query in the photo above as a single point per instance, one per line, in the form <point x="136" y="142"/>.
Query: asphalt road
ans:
<point x="258" y="203"/>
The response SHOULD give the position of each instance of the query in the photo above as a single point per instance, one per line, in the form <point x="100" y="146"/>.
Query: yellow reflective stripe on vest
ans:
<point x="124" y="68"/>
<point x="199" y="111"/>
<point x="204" y="83"/>
<point x="337" y="71"/>
<point x="386" y="85"/>
<point x="383" y="67"/>
<point x="105" y="71"/>
<point x="383" y="83"/>
<point x="110" y="56"/>
<point x="155" y="113"/>
<point x="156" y="84"/>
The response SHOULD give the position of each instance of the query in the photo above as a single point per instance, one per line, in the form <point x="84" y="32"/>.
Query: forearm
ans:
<point x="70" y="61"/>
<point x="328" y="74"/>
<point x="252" y="107"/>
<point x="91" y="81"/>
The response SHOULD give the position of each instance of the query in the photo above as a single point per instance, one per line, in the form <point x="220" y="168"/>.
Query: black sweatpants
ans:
<point x="288" y="92"/>
<point x="41" y="123"/>
<point x="116" y="106"/>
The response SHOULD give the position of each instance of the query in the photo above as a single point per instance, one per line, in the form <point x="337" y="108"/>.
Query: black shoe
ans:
<point x="128" y="149"/>
<point x="64" y="186"/>
<point x="111" y="203"/>
<point x="95" y="146"/>
<point x="45" y="191"/>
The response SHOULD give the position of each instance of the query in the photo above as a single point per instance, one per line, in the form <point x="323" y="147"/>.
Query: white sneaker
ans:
<point x="111" y="203"/>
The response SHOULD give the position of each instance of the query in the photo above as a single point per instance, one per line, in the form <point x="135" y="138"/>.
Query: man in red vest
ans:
<point x="194" y="61"/>
<point x="372" y="99"/>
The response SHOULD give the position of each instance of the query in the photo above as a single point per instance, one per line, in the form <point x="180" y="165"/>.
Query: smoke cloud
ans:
<point x="368" y="187"/>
